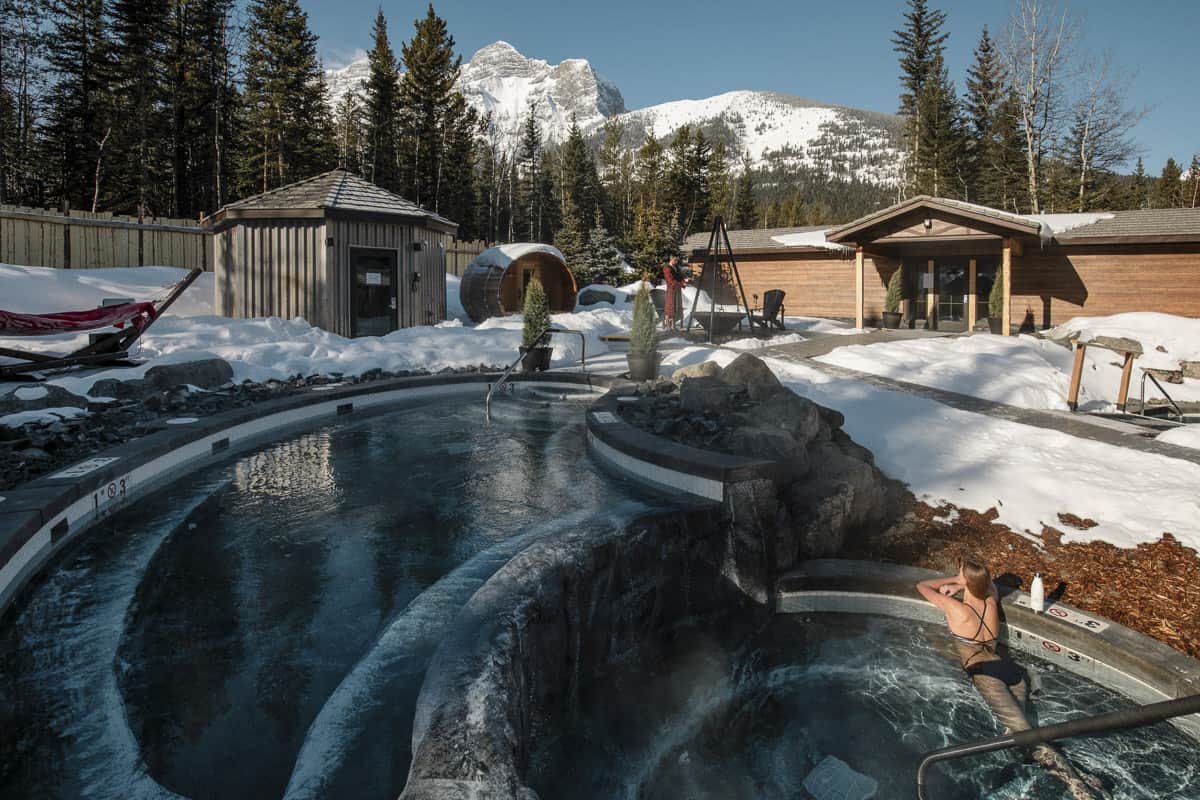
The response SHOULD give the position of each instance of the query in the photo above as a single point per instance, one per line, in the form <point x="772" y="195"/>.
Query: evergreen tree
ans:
<point x="1139" y="187"/>
<point x="528" y="208"/>
<point x="80" y="122"/>
<point x="616" y="170"/>
<point x="745" y="214"/>
<point x="22" y="52"/>
<point x="381" y="110"/>
<point x="570" y="239"/>
<point x="602" y="259"/>
<point x="458" y="198"/>
<point x="938" y="159"/>
<point x="350" y="135"/>
<point x="140" y="162"/>
<point x="426" y="97"/>
<point x="656" y="236"/>
<point x="650" y="168"/>
<point x="985" y="92"/>
<point x="1005" y="174"/>
<point x="721" y="188"/>
<point x="687" y="178"/>
<point x="1168" y="191"/>
<point x="288" y="130"/>
<point x="579" y="181"/>
<point x="1192" y="195"/>
<point x="919" y="43"/>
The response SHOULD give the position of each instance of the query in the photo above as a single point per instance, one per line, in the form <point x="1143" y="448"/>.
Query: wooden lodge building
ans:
<point x="1054" y="266"/>
<point x="339" y="251"/>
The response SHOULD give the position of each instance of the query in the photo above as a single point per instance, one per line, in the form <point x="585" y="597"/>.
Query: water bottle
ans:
<point x="1037" y="594"/>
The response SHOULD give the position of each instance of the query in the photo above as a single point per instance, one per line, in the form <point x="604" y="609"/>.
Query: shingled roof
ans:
<point x="1161" y="224"/>
<point x="334" y="190"/>
<point x="750" y="239"/>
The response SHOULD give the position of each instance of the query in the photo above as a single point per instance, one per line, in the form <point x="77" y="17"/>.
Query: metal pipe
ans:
<point x="1114" y="720"/>
<point x="582" y="342"/>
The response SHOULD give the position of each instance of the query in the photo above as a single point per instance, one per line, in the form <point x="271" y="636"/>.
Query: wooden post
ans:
<point x="1123" y="392"/>
<point x="1076" y="376"/>
<point x="1006" y="265"/>
<point x="858" y="287"/>
<point x="970" y="295"/>
<point x="931" y="296"/>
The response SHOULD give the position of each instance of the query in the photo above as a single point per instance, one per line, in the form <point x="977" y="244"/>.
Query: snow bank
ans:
<point x="1166" y="339"/>
<point x="504" y="254"/>
<point x="41" y="290"/>
<point x="1185" y="436"/>
<point x="44" y="415"/>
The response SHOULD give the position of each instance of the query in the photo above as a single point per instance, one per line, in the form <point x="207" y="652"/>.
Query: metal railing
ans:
<point x="1115" y="720"/>
<point x="487" y="403"/>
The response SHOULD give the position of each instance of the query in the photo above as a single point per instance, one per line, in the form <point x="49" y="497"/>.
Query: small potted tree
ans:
<point x="996" y="303"/>
<point x="535" y="339"/>
<point x="891" y="303"/>
<point x="642" y="357"/>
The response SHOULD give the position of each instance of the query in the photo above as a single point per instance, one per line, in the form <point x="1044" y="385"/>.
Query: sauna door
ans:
<point x="373" y="308"/>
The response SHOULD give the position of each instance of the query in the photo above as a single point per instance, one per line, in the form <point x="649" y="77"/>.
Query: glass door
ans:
<point x="952" y="285"/>
<point x="373" y="292"/>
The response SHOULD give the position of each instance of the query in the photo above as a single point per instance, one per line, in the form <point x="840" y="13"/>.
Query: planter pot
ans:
<point x="891" y="319"/>
<point x="996" y="326"/>
<point x="642" y="367"/>
<point x="536" y="359"/>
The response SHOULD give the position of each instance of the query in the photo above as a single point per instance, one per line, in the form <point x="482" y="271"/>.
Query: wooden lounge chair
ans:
<point x="130" y="319"/>
<point x="771" y="315"/>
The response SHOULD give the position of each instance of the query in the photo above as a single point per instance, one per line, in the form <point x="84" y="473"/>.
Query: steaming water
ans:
<point x="264" y="625"/>
<point x="730" y="711"/>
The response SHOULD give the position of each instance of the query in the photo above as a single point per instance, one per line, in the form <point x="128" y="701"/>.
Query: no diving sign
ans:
<point x="1067" y="615"/>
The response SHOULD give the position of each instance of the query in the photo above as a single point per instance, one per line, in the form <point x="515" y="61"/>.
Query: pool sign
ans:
<point x="84" y="467"/>
<point x="111" y="496"/>
<point x="1067" y="615"/>
<point x="604" y="417"/>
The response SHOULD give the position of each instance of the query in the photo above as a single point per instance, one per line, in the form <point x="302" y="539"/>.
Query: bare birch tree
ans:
<point x="1036" y="50"/>
<point x="1101" y="127"/>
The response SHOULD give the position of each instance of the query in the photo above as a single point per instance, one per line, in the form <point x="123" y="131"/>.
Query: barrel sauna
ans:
<point x="494" y="283"/>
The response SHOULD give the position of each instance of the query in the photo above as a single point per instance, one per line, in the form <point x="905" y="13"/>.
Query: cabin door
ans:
<point x="952" y="282"/>
<point x="373" y="300"/>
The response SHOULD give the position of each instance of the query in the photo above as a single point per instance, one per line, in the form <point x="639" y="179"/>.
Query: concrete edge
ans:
<point x="665" y="463"/>
<point x="40" y="518"/>
<point x="1130" y="663"/>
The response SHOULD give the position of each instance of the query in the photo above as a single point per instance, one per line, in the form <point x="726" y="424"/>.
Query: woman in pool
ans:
<point x="974" y="622"/>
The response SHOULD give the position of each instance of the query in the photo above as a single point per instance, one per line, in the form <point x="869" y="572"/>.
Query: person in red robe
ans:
<point x="676" y="278"/>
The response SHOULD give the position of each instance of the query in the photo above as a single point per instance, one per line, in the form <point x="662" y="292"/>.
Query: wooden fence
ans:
<point x="39" y="238"/>
<point x="461" y="254"/>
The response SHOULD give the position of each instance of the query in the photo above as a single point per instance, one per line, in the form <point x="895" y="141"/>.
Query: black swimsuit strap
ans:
<point x="982" y="624"/>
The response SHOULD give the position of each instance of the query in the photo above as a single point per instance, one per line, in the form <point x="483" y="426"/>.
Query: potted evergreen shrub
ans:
<point x="535" y="339"/>
<point x="642" y="357"/>
<point x="996" y="303"/>
<point x="891" y="303"/>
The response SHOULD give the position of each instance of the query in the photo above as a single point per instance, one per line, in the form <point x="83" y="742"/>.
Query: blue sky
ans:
<point x="661" y="50"/>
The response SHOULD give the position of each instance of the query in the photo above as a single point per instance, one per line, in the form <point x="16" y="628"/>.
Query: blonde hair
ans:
<point x="977" y="578"/>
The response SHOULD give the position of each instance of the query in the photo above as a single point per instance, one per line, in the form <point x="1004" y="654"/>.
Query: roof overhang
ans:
<point x="894" y="219"/>
<point x="230" y="216"/>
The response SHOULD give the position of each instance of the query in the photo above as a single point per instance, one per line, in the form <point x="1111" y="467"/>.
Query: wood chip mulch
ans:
<point x="1153" y="588"/>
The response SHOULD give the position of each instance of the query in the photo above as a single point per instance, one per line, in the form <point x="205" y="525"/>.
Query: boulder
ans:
<point x="39" y="395"/>
<point x="770" y="443"/>
<point x="590" y="297"/>
<point x="789" y="412"/>
<point x="207" y="373"/>
<point x="1191" y="369"/>
<point x="705" y="369"/>
<point x="753" y="373"/>
<point x="121" y="390"/>
<point x="705" y="396"/>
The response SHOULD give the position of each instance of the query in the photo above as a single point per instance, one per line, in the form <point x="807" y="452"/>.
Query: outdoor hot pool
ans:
<point x="738" y="711"/>
<point x="261" y="628"/>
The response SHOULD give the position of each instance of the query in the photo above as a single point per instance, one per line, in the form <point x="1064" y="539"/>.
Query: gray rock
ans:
<point x="773" y="444"/>
<point x="590" y="297"/>
<point x="790" y="412"/>
<point x="39" y="395"/>
<point x="704" y="396"/>
<point x="842" y="493"/>
<point x="121" y="390"/>
<point x="705" y="369"/>
<point x="34" y="454"/>
<point x="1191" y="369"/>
<point x="208" y="373"/>
<point x="751" y="372"/>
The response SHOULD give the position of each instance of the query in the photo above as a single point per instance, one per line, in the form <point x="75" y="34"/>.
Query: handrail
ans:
<point x="1114" y="720"/>
<point x="582" y="342"/>
<point x="487" y="403"/>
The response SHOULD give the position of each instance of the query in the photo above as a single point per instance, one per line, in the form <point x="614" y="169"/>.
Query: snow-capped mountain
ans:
<point x="775" y="129"/>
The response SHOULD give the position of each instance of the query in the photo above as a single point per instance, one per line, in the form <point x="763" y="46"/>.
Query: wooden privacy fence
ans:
<point x="39" y="238"/>
<point x="461" y="254"/>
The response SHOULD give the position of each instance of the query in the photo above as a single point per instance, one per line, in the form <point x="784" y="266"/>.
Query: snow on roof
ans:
<point x="809" y="239"/>
<point x="502" y="255"/>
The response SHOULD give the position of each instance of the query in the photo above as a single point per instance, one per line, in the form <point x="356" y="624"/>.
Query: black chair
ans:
<point x="772" y="310"/>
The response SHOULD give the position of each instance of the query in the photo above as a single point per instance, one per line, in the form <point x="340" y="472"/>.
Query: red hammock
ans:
<point x="139" y="314"/>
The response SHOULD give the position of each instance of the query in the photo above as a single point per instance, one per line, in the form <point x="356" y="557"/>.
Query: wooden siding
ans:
<point x="817" y="285"/>
<point x="940" y="228"/>
<point x="83" y="240"/>
<point x="1049" y="287"/>
<point x="273" y="268"/>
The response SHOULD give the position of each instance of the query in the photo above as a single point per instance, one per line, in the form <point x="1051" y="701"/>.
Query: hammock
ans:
<point x="139" y="314"/>
<point x="105" y="348"/>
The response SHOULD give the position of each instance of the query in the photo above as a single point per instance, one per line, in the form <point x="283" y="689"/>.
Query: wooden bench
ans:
<point x="1128" y="348"/>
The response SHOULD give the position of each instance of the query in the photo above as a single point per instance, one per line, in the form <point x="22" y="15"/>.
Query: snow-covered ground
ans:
<point x="1035" y="373"/>
<point x="1029" y="475"/>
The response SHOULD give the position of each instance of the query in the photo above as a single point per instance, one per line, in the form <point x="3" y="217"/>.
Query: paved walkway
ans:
<point x="1099" y="429"/>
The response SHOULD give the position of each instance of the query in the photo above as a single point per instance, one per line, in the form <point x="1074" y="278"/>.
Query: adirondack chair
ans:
<point x="130" y="319"/>
<point x="771" y="315"/>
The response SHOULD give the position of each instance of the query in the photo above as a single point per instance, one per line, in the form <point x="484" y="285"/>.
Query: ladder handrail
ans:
<point x="1113" y="720"/>
<point x="487" y="403"/>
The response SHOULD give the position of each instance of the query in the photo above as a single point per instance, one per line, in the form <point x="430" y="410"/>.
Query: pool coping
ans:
<point x="1130" y="663"/>
<point x="666" y="463"/>
<point x="41" y="517"/>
